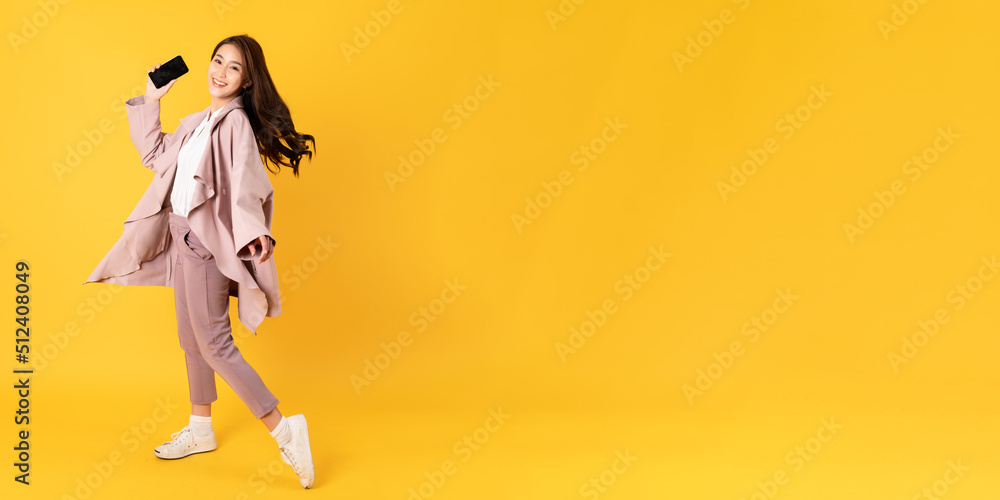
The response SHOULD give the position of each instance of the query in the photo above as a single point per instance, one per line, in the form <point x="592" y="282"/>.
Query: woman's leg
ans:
<point x="197" y="436"/>
<point x="205" y="302"/>
<point x="201" y="410"/>
<point x="207" y="299"/>
<point x="271" y="419"/>
<point x="208" y="306"/>
<point x="201" y="376"/>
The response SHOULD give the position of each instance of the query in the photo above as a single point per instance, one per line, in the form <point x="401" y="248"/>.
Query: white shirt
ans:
<point x="187" y="161"/>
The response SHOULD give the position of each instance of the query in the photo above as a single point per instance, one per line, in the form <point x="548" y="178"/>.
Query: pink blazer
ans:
<point x="230" y="207"/>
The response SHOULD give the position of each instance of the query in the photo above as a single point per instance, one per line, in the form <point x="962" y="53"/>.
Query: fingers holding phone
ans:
<point x="153" y="93"/>
<point x="163" y="76"/>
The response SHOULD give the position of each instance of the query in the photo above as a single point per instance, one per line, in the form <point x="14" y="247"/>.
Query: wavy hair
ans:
<point x="276" y="136"/>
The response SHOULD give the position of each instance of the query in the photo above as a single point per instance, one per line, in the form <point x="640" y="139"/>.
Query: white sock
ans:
<point x="201" y="425"/>
<point x="282" y="433"/>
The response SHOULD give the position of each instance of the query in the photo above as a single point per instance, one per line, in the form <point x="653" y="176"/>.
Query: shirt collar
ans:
<point x="189" y="124"/>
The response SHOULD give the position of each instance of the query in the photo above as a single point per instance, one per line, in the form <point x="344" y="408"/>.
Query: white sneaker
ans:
<point x="297" y="453"/>
<point x="185" y="442"/>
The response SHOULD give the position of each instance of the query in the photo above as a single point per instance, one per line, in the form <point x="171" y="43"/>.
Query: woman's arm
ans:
<point x="261" y="248"/>
<point x="144" y="122"/>
<point x="252" y="193"/>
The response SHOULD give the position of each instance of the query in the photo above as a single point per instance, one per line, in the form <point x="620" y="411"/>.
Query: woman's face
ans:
<point x="226" y="73"/>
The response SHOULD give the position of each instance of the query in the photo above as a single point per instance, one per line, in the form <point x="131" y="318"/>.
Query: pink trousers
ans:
<point x="201" y="298"/>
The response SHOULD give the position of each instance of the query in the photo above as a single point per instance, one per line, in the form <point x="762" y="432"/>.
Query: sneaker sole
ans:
<point x="188" y="454"/>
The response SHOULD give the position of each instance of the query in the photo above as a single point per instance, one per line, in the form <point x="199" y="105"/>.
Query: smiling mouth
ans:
<point x="218" y="83"/>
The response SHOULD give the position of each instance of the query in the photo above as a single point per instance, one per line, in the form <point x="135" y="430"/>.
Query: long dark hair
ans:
<point x="269" y="116"/>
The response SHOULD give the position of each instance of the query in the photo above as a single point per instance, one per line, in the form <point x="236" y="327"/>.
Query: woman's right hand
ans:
<point x="153" y="93"/>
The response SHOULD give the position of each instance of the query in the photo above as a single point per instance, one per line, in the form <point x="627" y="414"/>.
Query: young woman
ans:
<point x="203" y="227"/>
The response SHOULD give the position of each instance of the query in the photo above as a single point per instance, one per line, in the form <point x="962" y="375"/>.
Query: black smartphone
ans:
<point x="167" y="71"/>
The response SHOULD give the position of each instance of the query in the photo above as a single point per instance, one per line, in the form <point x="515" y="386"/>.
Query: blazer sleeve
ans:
<point x="144" y="129"/>
<point x="252" y="194"/>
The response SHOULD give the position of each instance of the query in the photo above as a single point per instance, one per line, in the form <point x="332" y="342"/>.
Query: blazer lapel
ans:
<point x="155" y="197"/>
<point x="188" y="124"/>
<point x="205" y="171"/>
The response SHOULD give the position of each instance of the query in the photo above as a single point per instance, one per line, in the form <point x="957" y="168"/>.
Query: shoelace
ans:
<point x="173" y="437"/>
<point x="290" y="460"/>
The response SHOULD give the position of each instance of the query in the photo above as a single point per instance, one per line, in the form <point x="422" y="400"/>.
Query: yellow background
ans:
<point x="389" y="251"/>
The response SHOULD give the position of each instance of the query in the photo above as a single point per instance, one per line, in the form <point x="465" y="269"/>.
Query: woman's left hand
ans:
<point x="265" y="245"/>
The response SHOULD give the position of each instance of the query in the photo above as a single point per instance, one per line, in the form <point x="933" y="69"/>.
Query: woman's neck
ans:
<point x="218" y="104"/>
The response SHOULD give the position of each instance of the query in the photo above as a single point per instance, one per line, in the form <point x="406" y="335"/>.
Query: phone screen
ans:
<point x="167" y="71"/>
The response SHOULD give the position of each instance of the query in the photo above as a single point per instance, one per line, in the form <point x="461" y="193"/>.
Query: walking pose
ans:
<point x="203" y="227"/>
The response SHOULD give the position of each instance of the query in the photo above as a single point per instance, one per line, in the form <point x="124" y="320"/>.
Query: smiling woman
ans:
<point x="238" y="64"/>
<point x="203" y="227"/>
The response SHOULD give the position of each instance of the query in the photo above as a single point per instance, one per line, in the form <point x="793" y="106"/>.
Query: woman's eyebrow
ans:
<point x="223" y="58"/>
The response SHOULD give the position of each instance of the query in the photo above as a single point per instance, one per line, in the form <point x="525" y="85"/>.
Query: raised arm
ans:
<point x="144" y="122"/>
